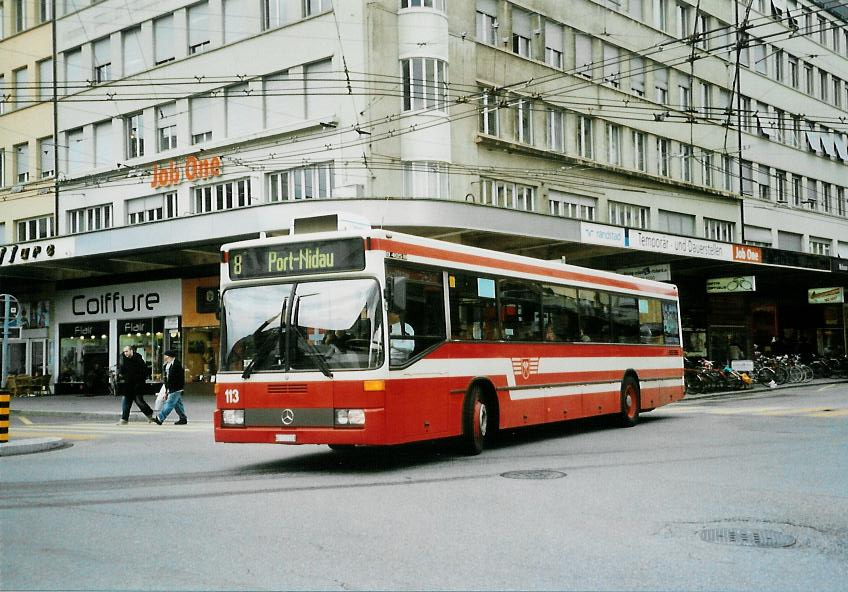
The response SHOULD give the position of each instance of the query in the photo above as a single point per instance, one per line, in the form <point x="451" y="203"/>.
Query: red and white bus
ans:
<point x="373" y="337"/>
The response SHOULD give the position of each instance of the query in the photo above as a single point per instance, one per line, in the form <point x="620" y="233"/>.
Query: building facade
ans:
<point x="702" y="143"/>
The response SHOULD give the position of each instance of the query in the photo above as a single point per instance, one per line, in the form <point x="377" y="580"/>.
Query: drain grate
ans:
<point x="544" y="474"/>
<point x="747" y="537"/>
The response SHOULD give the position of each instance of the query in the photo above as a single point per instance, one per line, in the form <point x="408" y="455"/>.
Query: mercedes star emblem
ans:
<point x="287" y="417"/>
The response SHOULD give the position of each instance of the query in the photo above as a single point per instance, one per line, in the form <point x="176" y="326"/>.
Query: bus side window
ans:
<point x="422" y="323"/>
<point x="671" y="324"/>
<point x="472" y="307"/>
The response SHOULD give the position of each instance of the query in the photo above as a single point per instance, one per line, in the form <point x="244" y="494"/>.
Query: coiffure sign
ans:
<point x="36" y="251"/>
<point x="148" y="299"/>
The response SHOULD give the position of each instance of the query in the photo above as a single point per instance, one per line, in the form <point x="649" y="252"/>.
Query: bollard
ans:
<point x="5" y="398"/>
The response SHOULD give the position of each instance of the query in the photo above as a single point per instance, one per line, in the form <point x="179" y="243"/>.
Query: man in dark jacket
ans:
<point x="134" y="373"/>
<point x="174" y="384"/>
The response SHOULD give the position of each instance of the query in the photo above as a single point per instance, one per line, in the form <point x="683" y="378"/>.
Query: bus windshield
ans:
<point x="324" y="326"/>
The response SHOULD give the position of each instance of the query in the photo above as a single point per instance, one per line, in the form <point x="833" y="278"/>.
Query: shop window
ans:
<point x="202" y="347"/>
<point x="84" y="357"/>
<point x="150" y="337"/>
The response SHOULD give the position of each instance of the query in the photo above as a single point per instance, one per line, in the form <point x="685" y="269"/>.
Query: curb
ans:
<point x="760" y="389"/>
<point x="30" y="445"/>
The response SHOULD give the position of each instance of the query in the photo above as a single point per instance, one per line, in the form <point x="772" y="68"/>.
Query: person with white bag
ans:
<point x="174" y="384"/>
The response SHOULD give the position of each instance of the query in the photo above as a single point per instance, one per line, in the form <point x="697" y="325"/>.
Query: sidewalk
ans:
<point x="79" y="407"/>
<point x="759" y="388"/>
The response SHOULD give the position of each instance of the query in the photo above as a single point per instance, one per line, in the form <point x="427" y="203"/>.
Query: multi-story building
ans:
<point x="27" y="169"/>
<point x="694" y="141"/>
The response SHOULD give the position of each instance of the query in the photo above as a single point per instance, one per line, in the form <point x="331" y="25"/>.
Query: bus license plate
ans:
<point x="285" y="437"/>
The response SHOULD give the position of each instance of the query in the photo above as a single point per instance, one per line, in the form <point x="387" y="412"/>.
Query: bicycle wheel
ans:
<point x="764" y="375"/>
<point x="795" y="374"/>
<point x="780" y="375"/>
<point x="808" y="373"/>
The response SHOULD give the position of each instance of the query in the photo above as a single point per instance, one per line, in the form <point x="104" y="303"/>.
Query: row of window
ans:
<point x="24" y="14"/>
<point x="492" y="309"/>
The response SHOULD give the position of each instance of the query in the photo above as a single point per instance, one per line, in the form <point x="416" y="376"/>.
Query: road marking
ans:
<point x="827" y="387"/>
<point x="24" y="420"/>
<point x="764" y="411"/>
<point x="49" y="434"/>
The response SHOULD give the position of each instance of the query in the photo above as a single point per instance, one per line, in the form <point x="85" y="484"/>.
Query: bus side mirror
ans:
<point x="396" y="293"/>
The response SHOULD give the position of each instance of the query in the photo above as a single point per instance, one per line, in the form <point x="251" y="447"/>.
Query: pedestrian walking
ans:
<point x="134" y="373"/>
<point x="174" y="384"/>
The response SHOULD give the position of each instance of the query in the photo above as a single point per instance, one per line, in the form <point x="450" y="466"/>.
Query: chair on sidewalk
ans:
<point x="19" y="385"/>
<point x="41" y="385"/>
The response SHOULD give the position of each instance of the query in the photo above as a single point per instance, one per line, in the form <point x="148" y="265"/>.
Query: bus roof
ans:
<point x="433" y="251"/>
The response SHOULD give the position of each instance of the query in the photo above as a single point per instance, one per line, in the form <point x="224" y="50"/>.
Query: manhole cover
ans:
<point x="533" y="474"/>
<point x="747" y="538"/>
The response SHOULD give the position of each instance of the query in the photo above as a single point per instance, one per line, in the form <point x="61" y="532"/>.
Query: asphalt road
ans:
<point x="627" y="509"/>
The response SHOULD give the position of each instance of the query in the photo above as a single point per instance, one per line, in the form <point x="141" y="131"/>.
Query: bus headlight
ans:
<point x="350" y="417"/>
<point x="233" y="417"/>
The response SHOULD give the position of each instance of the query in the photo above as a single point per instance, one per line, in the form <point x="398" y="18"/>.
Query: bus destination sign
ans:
<point x="297" y="258"/>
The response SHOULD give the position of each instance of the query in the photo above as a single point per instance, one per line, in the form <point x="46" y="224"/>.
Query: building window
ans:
<point x="583" y="55"/>
<point x="221" y="196"/>
<point x="585" y="141"/>
<point x="45" y="80"/>
<point x="508" y="195"/>
<point x="20" y="15"/>
<point x="663" y="157"/>
<point x="554" y="45"/>
<point x="45" y="10"/>
<point x="612" y="66"/>
<point x="22" y="90"/>
<point x="797" y="190"/>
<point x="781" y="186"/>
<point x="104" y="155"/>
<point x="200" y="113"/>
<point x="242" y="110"/>
<point x="764" y="182"/>
<point x="685" y="92"/>
<point x="489" y="113"/>
<point x="75" y="75"/>
<point x="629" y="215"/>
<point x="706" y="99"/>
<point x="819" y="246"/>
<point x="707" y="164"/>
<point x="747" y="177"/>
<point x="425" y="180"/>
<point x="676" y="223"/>
<point x="78" y="156"/>
<point x="719" y="230"/>
<point x="437" y="4"/>
<point x="727" y="172"/>
<point x="556" y="129"/>
<point x="166" y="126"/>
<point x="2" y="172"/>
<point x="163" y="39"/>
<point x="523" y="121"/>
<point x="311" y="7"/>
<point x="46" y="157"/>
<point x="238" y="22"/>
<point x="35" y="228"/>
<point x="661" y="14"/>
<point x="840" y="201"/>
<point x="89" y="219"/>
<point x="567" y="205"/>
<point x="151" y="208"/>
<point x="823" y="85"/>
<point x="614" y="144"/>
<point x="521" y="33"/>
<point x="132" y="54"/>
<point x="21" y="163"/>
<point x="837" y="92"/>
<point x="640" y="151"/>
<point x="198" y="28"/>
<point x="778" y="65"/>
<point x="794" y="80"/>
<point x="809" y="79"/>
<point x="687" y="155"/>
<point x="102" y="60"/>
<point x="637" y="76"/>
<point x="812" y="200"/>
<point x="311" y="182"/>
<point x="827" y="198"/>
<point x="684" y="21"/>
<point x="135" y="135"/>
<point x="760" y="62"/>
<point x="661" y="86"/>
<point x="487" y="21"/>
<point x="425" y="84"/>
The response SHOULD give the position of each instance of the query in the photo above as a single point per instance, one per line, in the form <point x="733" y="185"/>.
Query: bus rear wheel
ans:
<point x="475" y="421"/>
<point x="629" y="415"/>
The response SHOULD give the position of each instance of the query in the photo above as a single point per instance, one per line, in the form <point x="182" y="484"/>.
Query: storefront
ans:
<point x="202" y="336"/>
<point x="94" y="324"/>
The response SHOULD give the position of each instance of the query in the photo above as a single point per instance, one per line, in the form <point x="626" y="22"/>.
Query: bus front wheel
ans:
<point x="629" y="415"/>
<point x="475" y="421"/>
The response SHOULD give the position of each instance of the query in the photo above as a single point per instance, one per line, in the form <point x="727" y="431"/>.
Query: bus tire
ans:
<point x="475" y="421"/>
<point x="629" y="415"/>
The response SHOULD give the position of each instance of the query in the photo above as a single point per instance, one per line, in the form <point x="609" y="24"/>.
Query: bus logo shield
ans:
<point x="525" y="366"/>
<point x="287" y="417"/>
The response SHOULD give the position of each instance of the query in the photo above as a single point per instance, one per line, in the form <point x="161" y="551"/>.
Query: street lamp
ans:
<point x="7" y="312"/>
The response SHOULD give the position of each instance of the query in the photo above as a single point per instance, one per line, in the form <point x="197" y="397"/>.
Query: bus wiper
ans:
<point x="314" y="352"/>
<point x="268" y="344"/>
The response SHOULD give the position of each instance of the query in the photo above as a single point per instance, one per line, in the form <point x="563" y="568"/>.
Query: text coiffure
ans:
<point x="112" y="302"/>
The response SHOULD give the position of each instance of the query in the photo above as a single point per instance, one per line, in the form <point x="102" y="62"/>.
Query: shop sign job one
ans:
<point x="192" y="169"/>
